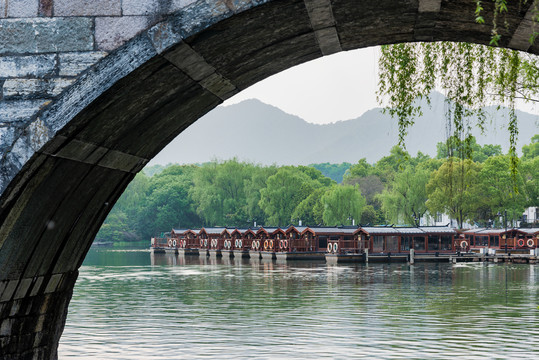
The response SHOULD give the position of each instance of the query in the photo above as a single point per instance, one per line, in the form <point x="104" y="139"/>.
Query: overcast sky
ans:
<point x="328" y="89"/>
<point x="331" y="88"/>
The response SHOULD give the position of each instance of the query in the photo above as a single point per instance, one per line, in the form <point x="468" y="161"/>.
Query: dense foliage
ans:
<point x="471" y="76"/>
<point x="333" y="171"/>
<point x="398" y="189"/>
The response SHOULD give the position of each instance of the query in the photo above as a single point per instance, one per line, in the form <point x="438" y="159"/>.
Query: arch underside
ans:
<point x="54" y="206"/>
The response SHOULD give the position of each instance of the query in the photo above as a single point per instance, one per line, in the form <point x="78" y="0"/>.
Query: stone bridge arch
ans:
<point x="91" y="90"/>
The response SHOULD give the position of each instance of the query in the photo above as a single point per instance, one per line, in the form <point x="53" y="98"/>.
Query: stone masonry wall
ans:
<point x="45" y="45"/>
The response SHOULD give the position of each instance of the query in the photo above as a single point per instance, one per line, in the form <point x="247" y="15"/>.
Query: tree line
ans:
<point x="398" y="189"/>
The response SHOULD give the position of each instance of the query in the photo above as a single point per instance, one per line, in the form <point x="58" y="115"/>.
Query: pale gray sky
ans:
<point x="328" y="89"/>
<point x="331" y="88"/>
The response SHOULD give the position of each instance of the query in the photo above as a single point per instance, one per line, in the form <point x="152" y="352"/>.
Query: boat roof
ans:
<point x="179" y="231"/>
<point x="529" y="231"/>
<point x="407" y="230"/>
<point x="331" y="230"/>
<point x="214" y="231"/>
<point x="298" y="229"/>
<point x="487" y="231"/>
<point x="378" y="230"/>
<point x="438" y="229"/>
<point x="267" y="230"/>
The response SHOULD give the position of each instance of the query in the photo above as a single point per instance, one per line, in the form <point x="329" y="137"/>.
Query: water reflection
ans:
<point x="174" y="307"/>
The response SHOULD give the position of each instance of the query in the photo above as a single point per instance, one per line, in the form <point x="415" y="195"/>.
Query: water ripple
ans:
<point x="206" y="309"/>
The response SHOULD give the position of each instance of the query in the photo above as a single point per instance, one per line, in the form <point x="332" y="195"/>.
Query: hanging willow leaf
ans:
<point x="471" y="77"/>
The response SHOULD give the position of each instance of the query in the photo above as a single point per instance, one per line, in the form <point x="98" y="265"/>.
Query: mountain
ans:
<point x="264" y="134"/>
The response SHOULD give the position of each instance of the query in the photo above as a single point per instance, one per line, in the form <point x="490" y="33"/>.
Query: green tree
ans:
<point x="342" y="202"/>
<point x="452" y="189"/>
<point x="467" y="148"/>
<point x="370" y="186"/>
<point x="333" y="171"/>
<point x="499" y="191"/>
<point x="282" y="194"/>
<point x="253" y="185"/>
<point x="529" y="169"/>
<point x="132" y="199"/>
<point x="116" y="229"/>
<point x="315" y="175"/>
<point x="405" y="201"/>
<point x="531" y="151"/>
<point x="361" y="169"/>
<point x="310" y="210"/>
<point x="368" y="215"/>
<point x="389" y="165"/>
<point x="167" y="206"/>
<point x="219" y="192"/>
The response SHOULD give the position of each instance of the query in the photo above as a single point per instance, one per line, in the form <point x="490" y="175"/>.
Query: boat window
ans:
<point x="419" y="243"/>
<point x="406" y="242"/>
<point x="322" y="242"/>
<point x="495" y="241"/>
<point x="378" y="244"/>
<point x="433" y="243"/>
<point x="481" y="241"/>
<point x="392" y="243"/>
<point x="446" y="242"/>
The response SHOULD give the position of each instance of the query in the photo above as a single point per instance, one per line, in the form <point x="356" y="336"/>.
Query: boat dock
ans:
<point x="355" y="244"/>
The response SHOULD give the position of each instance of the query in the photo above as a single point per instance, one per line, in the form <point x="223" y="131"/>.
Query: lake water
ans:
<point x="131" y="305"/>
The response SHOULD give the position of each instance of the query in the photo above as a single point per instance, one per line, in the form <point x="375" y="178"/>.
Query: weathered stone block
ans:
<point x="3" y="12"/>
<point x="137" y="7"/>
<point x="91" y="84"/>
<point x="53" y="283"/>
<point x="45" y="7"/>
<point x="72" y="64"/>
<point x="40" y="321"/>
<point x="430" y="5"/>
<point x="163" y="36"/>
<point x="219" y="86"/>
<point x="22" y="8"/>
<point x="40" y="35"/>
<point x="179" y="4"/>
<point x="15" y="306"/>
<point x="9" y="290"/>
<point x="189" y="61"/>
<point x="11" y="111"/>
<point x="240" y="5"/>
<point x="37" y="339"/>
<point x="16" y="89"/>
<point x="3" y="285"/>
<point x="202" y="14"/>
<point x="87" y="8"/>
<point x="5" y="327"/>
<point x="21" y="307"/>
<point x="112" y="32"/>
<point x="35" y="66"/>
<point x="22" y="289"/>
<point x="7" y="137"/>
<point x="37" y="286"/>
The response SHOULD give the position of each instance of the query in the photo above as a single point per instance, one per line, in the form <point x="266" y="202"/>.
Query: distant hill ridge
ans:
<point x="264" y="134"/>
